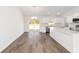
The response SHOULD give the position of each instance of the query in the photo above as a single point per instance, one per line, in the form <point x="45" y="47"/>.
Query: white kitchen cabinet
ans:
<point x="66" y="40"/>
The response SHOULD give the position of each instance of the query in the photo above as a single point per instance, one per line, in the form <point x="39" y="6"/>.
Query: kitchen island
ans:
<point x="69" y="39"/>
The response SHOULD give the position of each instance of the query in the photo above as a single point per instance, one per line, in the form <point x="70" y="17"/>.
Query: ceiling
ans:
<point x="46" y="10"/>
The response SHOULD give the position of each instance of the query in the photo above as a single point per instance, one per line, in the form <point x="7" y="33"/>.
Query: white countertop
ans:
<point x="65" y="30"/>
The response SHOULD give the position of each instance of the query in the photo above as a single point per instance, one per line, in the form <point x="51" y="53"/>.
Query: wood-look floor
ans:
<point x="35" y="42"/>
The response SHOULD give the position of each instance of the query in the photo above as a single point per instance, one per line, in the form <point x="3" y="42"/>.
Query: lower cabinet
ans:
<point x="65" y="39"/>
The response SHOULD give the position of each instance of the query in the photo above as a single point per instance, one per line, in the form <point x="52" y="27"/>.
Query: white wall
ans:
<point x="11" y="25"/>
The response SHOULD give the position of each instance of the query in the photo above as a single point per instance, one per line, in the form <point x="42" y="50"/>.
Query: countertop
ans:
<point x="64" y="30"/>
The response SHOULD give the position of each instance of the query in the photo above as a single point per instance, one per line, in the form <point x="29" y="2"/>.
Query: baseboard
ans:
<point x="10" y="43"/>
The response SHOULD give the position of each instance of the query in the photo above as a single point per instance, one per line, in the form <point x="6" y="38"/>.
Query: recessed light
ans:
<point x="58" y="13"/>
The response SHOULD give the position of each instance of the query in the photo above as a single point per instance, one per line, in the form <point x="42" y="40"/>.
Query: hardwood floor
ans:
<point x="35" y="42"/>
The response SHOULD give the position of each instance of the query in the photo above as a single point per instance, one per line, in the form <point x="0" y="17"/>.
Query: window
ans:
<point x="34" y="24"/>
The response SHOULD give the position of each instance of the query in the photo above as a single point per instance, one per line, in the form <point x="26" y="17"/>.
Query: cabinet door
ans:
<point x="76" y="43"/>
<point x="64" y="39"/>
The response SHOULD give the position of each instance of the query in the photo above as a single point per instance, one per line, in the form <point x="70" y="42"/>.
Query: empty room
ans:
<point x="39" y="29"/>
